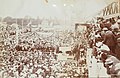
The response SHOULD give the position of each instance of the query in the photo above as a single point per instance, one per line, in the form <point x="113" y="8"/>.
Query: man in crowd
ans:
<point x="110" y="40"/>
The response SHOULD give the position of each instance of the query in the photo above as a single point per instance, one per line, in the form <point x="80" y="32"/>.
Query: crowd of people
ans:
<point x="104" y="38"/>
<point x="37" y="64"/>
<point x="33" y="57"/>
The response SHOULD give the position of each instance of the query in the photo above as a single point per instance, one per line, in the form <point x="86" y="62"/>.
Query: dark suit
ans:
<point x="117" y="51"/>
<point x="110" y="41"/>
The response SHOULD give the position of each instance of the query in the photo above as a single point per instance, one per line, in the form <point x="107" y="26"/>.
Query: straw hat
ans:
<point x="108" y="61"/>
<point x="118" y="40"/>
<point x="118" y="21"/>
<point x="105" y="29"/>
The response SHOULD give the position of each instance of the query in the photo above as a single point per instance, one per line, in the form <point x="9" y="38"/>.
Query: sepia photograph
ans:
<point x="59" y="38"/>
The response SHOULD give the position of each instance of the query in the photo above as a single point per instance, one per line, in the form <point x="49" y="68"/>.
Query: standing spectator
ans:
<point x="110" y="41"/>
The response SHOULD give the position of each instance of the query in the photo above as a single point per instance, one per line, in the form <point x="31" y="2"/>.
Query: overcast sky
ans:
<point x="54" y="8"/>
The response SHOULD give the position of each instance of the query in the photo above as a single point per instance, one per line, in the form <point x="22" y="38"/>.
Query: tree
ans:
<point x="8" y="20"/>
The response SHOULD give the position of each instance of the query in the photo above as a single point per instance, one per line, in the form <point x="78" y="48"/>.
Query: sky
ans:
<point x="54" y="8"/>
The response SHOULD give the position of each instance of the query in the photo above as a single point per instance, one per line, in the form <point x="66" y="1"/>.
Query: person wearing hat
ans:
<point x="115" y="70"/>
<point x="110" y="40"/>
<point x="103" y="32"/>
<point x="110" y="64"/>
<point x="115" y="27"/>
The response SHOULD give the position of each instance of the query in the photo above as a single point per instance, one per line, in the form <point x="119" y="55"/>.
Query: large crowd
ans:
<point x="37" y="64"/>
<point x="104" y="38"/>
<point x="33" y="57"/>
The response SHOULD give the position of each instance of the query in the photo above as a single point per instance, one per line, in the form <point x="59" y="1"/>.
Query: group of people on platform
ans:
<point x="105" y="41"/>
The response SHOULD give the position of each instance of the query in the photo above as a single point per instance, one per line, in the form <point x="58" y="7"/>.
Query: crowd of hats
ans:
<point x="37" y="64"/>
<point x="33" y="57"/>
<point x="103" y="51"/>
